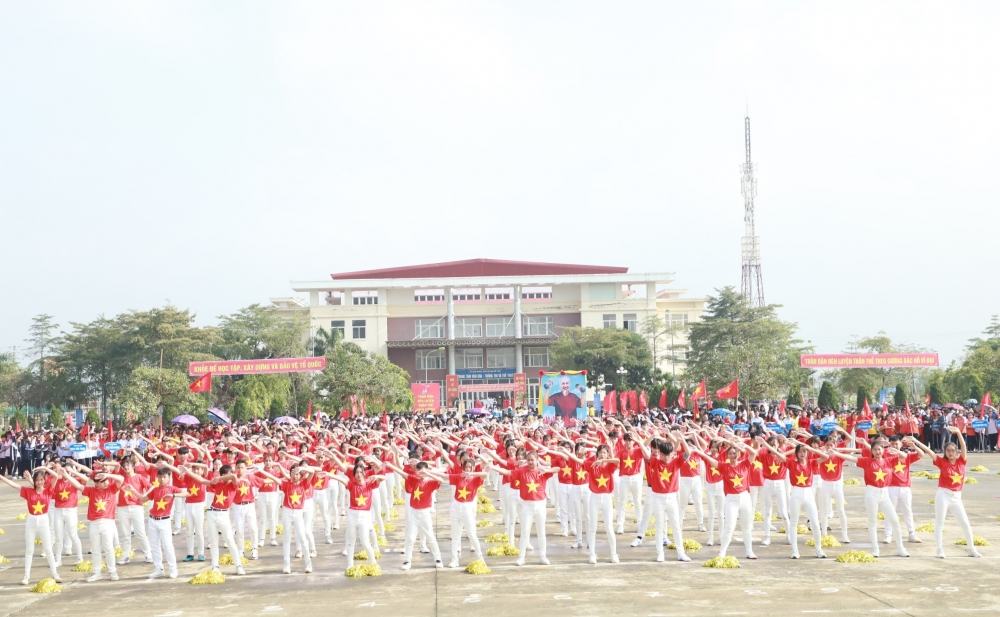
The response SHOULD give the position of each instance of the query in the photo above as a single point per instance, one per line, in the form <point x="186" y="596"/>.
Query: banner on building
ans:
<point x="252" y="367"/>
<point x="868" y="360"/>
<point x="563" y="395"/>
<point x="426" y="397"/>
<point x="451" y="390"/>
<point x="520" y="383"/>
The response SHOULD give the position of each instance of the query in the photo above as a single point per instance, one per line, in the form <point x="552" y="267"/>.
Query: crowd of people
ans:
<point x="337" y="479"/>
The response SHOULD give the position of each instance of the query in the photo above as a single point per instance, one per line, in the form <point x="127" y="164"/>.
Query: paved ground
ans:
<point x="774" y="585"/>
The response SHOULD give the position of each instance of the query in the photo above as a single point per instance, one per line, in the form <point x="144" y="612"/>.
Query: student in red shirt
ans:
<point x="900" y="493"/>
<point x="359" y="489"/>
<point x="424" y="482"/>
<point x="801" y="469"/>
<point x="531" y="480"/>
<point x="716" y="492"/>
<point x="775" y="472"/>
<point x="878" y="475"/>
<point x="663" y="467"/>
<point x="38" y="498"/>
<point x="130" y="515"/>
<point x="691" y="487"/>
<point x="267" y="498"/>
<point x="832" y="472"/>
<point x="66" y="498"/>
<point x="600" y="471"/>
<point x="244" y="509"/>
<point x="160" y="498"/>
<point x="294" y="488"/>
<point x="223" y="490"/>
<point x="629" y="478"/>
<point x="735" y="472"/>
<point x="103" y="496"/>
<point x="949" y="493"/>
<point x="463" y="508"/>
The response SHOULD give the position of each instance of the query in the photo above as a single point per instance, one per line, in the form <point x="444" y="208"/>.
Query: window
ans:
<point x="338" y="325"/>
<point x="676" y="321"/>
<point x="428" y="296"/>
<point x="630" y="322"/>
<point x="537" y="326"/>
<point x="466" y="295"/>
<point x="468" y="327"/>
<point x="499" y="294"/>
<point x="430" y="359"/>
<point x="610" y="321"/>
<point x="536" y="356"/>
<point x="469" y="358"/>
<point x="428" y="328"/>
<point x="536" y="293"/>
<point x="334" y="298"/>
<point x="500" y="326"/>
<point x="364" y="297"/>
<point x="500" y="358"/>
<point x="358" y="328"/>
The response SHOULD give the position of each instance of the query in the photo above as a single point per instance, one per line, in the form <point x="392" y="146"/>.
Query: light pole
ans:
<point x="622" y="372"/>
<point x="426" y="367"/>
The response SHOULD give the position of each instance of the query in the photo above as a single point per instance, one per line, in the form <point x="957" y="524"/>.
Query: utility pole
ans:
<point x="752" y="286"/>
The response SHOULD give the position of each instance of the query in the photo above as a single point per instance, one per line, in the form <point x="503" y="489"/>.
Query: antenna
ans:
<point x="752" y="286"/>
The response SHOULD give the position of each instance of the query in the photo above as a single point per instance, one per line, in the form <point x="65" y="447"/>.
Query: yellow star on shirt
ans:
<point x="193" y="490"/>
<point x="244" y="489"/>
<point x="665" y="475"/>
<point x="156" y="483"/>
<point x="319" y="484"/>
<point x="360" y="500"/>
<point x="956" y="478"/>
<point x="602" y="482"/>
<point x="737" y="481"/>
<point x="462" y="493"/>
<point x="220" y="499"/>
<point x="899" y="467"/>
<point x="831" y="467"/>
<point x="64" y="495"/>
<point x="533" y="487"/>
<point x="161" y="505"/>
<point x="628" y="462"/>
<point x="581" y="474"/>
<point x="693" y="463"/>
<point x="566" y="471"/>
<point x="37" y="508"/>
<point x="800" y="480"/>
<point x="758" y="465"/>
<point x="715" y="471"/>
<point x="417" y="493"/>
<point x="880" y="475"/>
<point x="295" y="498"/>
<point x="774" y="468"/>
<point x="100" y="505"/>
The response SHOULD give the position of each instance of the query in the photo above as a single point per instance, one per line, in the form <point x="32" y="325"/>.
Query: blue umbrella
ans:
<point x="218" y="416"/>
<point x="186" y="419"/>
<point x="285" y="420"/>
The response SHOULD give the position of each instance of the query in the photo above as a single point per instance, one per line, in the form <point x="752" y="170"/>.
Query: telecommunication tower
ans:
<point x="752" y="286"/>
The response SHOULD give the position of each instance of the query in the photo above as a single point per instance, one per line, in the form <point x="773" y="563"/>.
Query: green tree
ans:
<point x="826" y="398"/>
<point x="976" y="389"/>
<point x="258" y="395"/>
<point x="875" y="379"/>
<point x="56" y="419"/>
<point x="737" y="341"/>
<point x="148" y="389"/>
<point x="937" y="395"/>
<point x="602" y="352"/>
<point x="899" y="398"/>
<point x="93" y="417"/>
<point x="862" y="397"/>
<point x="351" y="371"/>
<point x="19" y="418"/>
<point x="794" y="395"/>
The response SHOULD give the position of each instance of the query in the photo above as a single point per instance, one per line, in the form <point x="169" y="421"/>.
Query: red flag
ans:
<point x="700" y="391"/>
<point x="907" y="409"/>
<point x="202" y="384"/>
<point x="111" y="431"/>
<point x="611" y="402"/>
<point x="730" y="391"/>
<point x="663" y="399"/>
<point x="643" y="401"/>
<point x="885" y="407"/>
<point x="867" y="411"/>
<point x="987" y="401"/>
<point x="354" y="405"/>
<point x="364" y="412"/>
<point x="633" y="400"/>
<point x="309" y="410"/>
<point x="695" y="412"/>
<point x="927" y="399"/>
<point x="17" y="426"/>
<point x="781" y="406"/>
<point x="623" y="399"/>
<point x="682" y="400"/>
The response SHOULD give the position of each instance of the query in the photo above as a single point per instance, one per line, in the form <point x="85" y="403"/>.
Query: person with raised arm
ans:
<point x="38" y="499"/>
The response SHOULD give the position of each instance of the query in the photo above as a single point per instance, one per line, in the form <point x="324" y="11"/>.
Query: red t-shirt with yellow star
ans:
<point x="878" y="472"/>
<point x="801" y="475"/>
<point x="736" y="476"/>
<point x="38" y="503"/>
<point x="423" y="490"/>
<point x="952" y="474"/>
<point x="692" y="466"/>
<point x="578" y="472"/>
<point x="65" y="494"/>
<point x="631" y="460"/>
<point x="465" y="486"/>
<point x="295" y="493"/>
<point x="196" y="490"/>
<point x="103" y="503"/>
<point x="831" y="469"/>
<point x="133" y="486"/>
<point x="901" y="468"/>
<point x="602" y="475"/>
<point x="663" y="476"/>
<point x="361" y="494"/>
<point x="244" y="489"/>
<point x="160" y="504"/>
<point x="773" y="468"/>
<point x="224" y="493"/>
<point x="530" y="483"/>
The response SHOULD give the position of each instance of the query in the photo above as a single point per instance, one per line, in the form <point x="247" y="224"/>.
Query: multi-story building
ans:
<point x="483" y="321"/>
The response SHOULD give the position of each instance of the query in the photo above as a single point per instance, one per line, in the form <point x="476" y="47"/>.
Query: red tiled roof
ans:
<point x="478" y="267"/>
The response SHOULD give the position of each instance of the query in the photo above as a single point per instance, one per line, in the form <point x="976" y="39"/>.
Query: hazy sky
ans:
<point x="207" y="153"/>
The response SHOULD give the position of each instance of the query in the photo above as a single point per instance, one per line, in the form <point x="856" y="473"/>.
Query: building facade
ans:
<point x="483" y="322"/>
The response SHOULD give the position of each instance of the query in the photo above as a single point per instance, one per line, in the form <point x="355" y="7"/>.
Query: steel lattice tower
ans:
<point x="752" y="286"/>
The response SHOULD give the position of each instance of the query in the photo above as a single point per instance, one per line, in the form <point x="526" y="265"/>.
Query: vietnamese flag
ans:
<point x="202" y="384"/>
<point x="730" y="391"/>
<point x="867" y="411"/>
<point x="643" y="401"/>
<point x="907" y="408"/>
<point x="663" y="399"/>
<point x="111" y="431"/>
<point x="309" y="410"/>
<point x="987" y="402"/>
<point x="611" y="402"/>
<point x="623" y="399"/>
<point x="781" y="406"/>
<point x="700" y="391"/>
<point x="682" y="400"/>
<point x="927" y="399"/>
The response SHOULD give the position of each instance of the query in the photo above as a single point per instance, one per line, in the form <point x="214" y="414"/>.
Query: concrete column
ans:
<point x="314" y="298"/>
<point x="517" y="311"/>
<point x="518" y="358"/>
<point x="451" y="328"/>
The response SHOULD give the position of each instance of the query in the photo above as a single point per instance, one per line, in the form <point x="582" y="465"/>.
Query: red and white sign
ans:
<point x="488" y="387"/>
<point x="868" y="360"/>
<point x="252" y="367"/>
<point x="426" y="396"/>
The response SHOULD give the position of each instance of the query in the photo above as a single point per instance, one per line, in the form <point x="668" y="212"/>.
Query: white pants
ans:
<point x="218" y="522"/>
<point x="532" y="512"/>
<point x="508" y="501"/>
<point x="66" y="522"/>
<point x="132" y="519"/>
<point x="663" y="507"/>
<point x="754" y="496"/>
<point x="600" y="503"/>
<point x="161" y="544"/>
<point x="552" y="492"/>
<point x="380" y="512"/>
<point x="358" y="524"/>
<point x="102" y="542"/>
<point x="419" y="522"/>
<point x="464" y="515"/>
<point x="946" y="500"/>
<point x="269" y="514"/>
<point x="738" y="508"/>
<point x="38" y="524"/>
<point x="690" y="487"/>
<point x="195" y="515"/>
<point x="774" y="490"/>
<point x="322" y="499"/>
<point x="334" y="500"/>
<point x="833" y="489"/>
<point x="563" y="507"/>
<point x="717" y="505"/>
<point x="878" y="499"/>
<point x="245" y="519"/>
<point x="628" y="486"/>
<point x="579" y="509"/>
<point x="902" y="500"/>
<point x="177" y="510"/>
<point x="802" y="498"/>
<point x="308" y="518"/>
<point x="293" y="519"/>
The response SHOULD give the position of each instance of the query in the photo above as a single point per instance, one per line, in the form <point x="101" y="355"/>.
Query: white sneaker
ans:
<point x="520" y="561"/>
<point x="659" y="558"/>
<point x="424" y="549"/>
<point x="593" y="558"/>
<point x="636" y="542"/>
<point x="751" y="556"/>
<point x="888" y="540"/>
<point x="766" y="542"/>
<point x="915" y="539"/>
<point x="614" y="559"/>
<point x="620" y="531"/>
<point x="438" y="564"/>
<point x="173" y="574"/>
<point x="254" y="554"/>
<point x="683" y="557"/>
<point x="974" y="553"/>
<point x="453" y="563"/>
<point x="702" y="528"/>
<point x="93" y="578"/>
<point x="157" y="574"/>
<point x="795" y="555"/>
<point x="406" y="566"/>
<point x="25" y="581"/>
<point x="820" y="554"/>
<point x="902" y="553"/>
<point x="312" y="554"/>
<point x="309" y="569"/>
<point x="940" y="554"/>
<point x="287" y="569"/>
<point x="543" y="560"/>
<point x="298" y="554"/>
<point x="329" y="540"/>
<point x="344" y="552"/>
<point x="274" y="543"/>
<point x="845" y="540"/>
<point x="260" y="543"/>
<point x="114" y="576"/>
